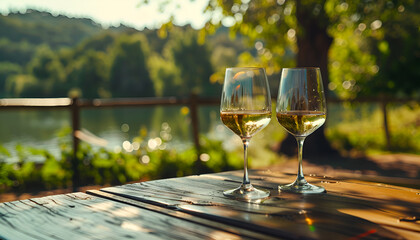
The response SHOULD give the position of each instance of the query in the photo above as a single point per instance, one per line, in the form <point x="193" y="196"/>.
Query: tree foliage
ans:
<point x="7" y="69"/>
<point x="307" y="29"/>
<point x="119" y="62"/>
<point x="192" y="60"/>
<point x="129" y="76"/>
<point x="374" y="49"/>
<point x="166" y="76"/>
<point x="90" y="75"/>
<point x="364" y="48"/>
<point x="43" y="28"/>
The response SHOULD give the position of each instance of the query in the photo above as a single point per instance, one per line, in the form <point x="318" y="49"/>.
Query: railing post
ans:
<point x="199" y="167"/>
<point x="194" y="121"/>
<point x="75" y="117"/>
<point x="385" y="122"/>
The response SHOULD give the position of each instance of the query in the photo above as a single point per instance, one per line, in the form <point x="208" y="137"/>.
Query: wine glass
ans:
<point x="245" y="109"/>
<point x="301" y="109"/>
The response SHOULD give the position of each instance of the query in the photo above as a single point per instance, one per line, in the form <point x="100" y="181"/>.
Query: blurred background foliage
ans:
<point x="365" y="49"/>
<point x="374" y="49"/>
<point x="102" y="63"/>
<point x="368" y="47"/>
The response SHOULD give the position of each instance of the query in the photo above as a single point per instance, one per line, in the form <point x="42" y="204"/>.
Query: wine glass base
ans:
<point x="246" y="192"/>
<point x="295" y="187"/>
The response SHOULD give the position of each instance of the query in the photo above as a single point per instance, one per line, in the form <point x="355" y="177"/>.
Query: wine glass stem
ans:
<point x="246" y="181"/>
<point x="300" y="177"/>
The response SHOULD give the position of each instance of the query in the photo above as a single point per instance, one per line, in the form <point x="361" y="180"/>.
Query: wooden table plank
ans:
<point x="83" y="216"/>
<point x="244" y="233"/>
<point x="349" y="209"/>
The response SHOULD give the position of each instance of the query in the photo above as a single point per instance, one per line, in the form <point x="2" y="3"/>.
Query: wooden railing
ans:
<point x="75" y="105"/>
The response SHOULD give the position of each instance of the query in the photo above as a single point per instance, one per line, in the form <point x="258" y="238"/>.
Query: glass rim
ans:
<point x="244" y="68"/>
<point x="301" y="68"/>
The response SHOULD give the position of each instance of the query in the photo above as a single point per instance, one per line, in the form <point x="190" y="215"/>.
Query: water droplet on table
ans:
<point x="329" y="182"/>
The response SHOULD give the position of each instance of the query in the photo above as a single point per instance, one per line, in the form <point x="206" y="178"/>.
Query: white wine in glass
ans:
<point x="245" y="109"/>
<point x="301" y="109"/>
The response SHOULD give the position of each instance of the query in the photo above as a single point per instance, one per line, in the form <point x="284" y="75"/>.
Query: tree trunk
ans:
<point x="313" y="44"/>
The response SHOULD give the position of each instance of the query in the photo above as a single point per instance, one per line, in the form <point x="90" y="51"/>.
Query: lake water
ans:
<point x="40" y="128"/>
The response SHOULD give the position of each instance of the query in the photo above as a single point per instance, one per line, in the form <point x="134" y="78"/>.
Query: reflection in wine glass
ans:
<point x="245" y="109"/>
<point x="301" y="109"/>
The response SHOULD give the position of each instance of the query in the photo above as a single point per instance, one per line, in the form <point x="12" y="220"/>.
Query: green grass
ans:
<point x="360" y="128"/>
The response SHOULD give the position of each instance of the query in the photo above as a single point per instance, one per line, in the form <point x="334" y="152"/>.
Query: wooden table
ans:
<point x="195" y="208"/>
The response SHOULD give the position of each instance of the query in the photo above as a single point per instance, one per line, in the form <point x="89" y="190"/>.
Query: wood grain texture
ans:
<point x="350" y="209"/>
<point x="194" y="208"/>
<point x="83" y="216"/>
<point x="243" y="233"/>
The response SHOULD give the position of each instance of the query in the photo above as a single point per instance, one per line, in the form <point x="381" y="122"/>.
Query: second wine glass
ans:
<point x="301" y="109"/>
<point x="246" y="109"/>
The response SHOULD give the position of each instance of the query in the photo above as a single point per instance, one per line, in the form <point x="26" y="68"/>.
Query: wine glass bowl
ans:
<point x="301" y="109"/>
<point x="245" y="109"/>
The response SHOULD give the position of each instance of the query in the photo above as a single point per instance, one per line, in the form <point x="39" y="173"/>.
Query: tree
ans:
<point x="306" y="29"/>
<point x="90" y="75"/>
<point x="165" y="76"/>
<point x="376" y="49"/>
<point x="7" y="69"/>
<point x="23" y="85"/>
<point x="393" y="40"/>
<point x="16" y="52"/>
<point x="193" y="62"/>
<point x="48" y="71"/>
<point x="129" y="76"/>
<point x="225" y="50"/>
<point x="100" y="43"/>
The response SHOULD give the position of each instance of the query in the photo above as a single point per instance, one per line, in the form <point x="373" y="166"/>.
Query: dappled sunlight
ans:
<point x="378" y="216"/>
<point x="102" y="206"/>
<point x="127" y="212"/>
<point x="223" y="235"/>
<point x="135" y="227"/>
